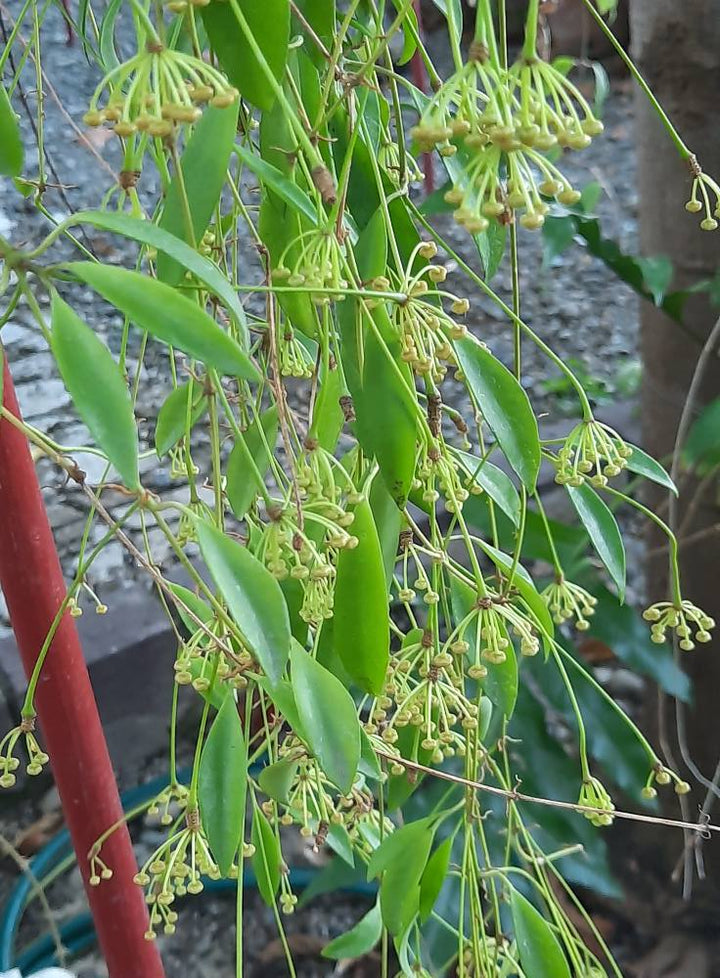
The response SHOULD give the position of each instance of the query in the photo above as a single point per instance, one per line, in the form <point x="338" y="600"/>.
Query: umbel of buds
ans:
<point x="499" y="123"/>
<point x="155" y="90"/>
<point x="685" y="619"/>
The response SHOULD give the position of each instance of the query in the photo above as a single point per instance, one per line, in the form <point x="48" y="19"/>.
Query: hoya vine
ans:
<point x="364" y="622"/>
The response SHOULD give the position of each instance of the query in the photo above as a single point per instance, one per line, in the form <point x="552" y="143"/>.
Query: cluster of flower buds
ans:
<point x="663" y="776"/>
<point x="308" y="553"/>
<point x="703" y="188"/>
<point x="499" y="123"/>
<point x="489" y="625"/>
<point x="685" y="619"/>
<point x="425" y="329"/>
<point x="439" y="473"/>
<point x="316" y="265"/>
<point x="425" y="691"/>
<point x="567" y="601"/>
<point x="36" y="757"/>
<point x="294" y="359"/>
<point x="175" y="869"/>
<point x="73" y="603"/>
<point x="199" y="663"/>
<point x="593" y="794"/>
<point x="591" y="451"/>
<point x="308" y="797"/>
<point x="155" y="90"/>
<point x="489" y="956"/>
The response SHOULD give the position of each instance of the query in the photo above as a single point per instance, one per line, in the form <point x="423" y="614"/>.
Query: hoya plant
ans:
<point x="360" y="629"/>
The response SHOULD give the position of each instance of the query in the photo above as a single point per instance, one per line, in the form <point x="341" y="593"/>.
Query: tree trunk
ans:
<point x="677" y="47"/>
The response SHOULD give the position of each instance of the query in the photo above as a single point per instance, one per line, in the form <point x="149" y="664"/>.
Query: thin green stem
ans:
<point x="680" y="145"/>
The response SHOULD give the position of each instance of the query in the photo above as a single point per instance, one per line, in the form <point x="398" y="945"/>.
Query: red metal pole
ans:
<point x="33" y="585"/>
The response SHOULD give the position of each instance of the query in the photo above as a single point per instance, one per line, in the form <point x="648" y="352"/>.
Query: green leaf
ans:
<point x="434" y="876"/>
<point x="452" y="9"/>
<point x="275" y="180"/>
<point x="242" y="483"/>
<point x="523" y="582"/>
<point x="505" y="406"/>
<point x="361" y="632"/>
<point x="98" y="389"/>
<point x="643" y="464"/>
<point x="253" y="597"/>
<point x="11" y="147"/>
<point x="495" y="482"/>
<point x="147" y="233"/>
<point x="269" y="24"/>
<point x="371" y="250"/>
<point x="369" y="764"/>
<point x="401" y="859"/>
<point x="702" y="446"/>
<point x="283" y="699"/>
<point x="201" y="609"/>
<point x="328" y="717"/>
<point x="386" y="410"/>
<point x="222" y="785"/>
<point x="501" y="683"/>
<point x="328" y="416"/>
<point x="410" y="32"/>
<point x="267" y="857"/>
<point x="173" y="415"/>
<point x="167" y="315"/>
<point x="388" y="522"/>
<point x="359" y="940"/>
<point x="603" y="531"/>
<point x="541" y="955"/>
<point x="276" y="779"/>
<point x="203" y="166"/>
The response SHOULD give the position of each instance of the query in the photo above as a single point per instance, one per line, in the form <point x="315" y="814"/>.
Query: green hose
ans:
<point x="78" y="934"/>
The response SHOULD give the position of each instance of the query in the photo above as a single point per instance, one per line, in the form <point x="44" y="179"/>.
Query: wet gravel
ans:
<point x="575" y="304"/>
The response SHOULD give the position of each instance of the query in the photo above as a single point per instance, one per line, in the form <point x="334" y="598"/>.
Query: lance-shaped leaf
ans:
<point x="401" y="861"/>
<point x="253" y="597"/>
<point x="603" y="531"/>
<point x="222" y="785"/>
<point x="643" y="464"/>
<point x="328" y="716"/>
<point x="250" y="453"/>
<point x="539" y="950"/>
<point x="147" y="233"/>
<point x="196" y="189"/>
<point x="97" y="387"/>
<point x="188" y="398"/>
<point x="496" y="483"/>
<point x="11" y="147"/>
<point x="361" y="632"/>
<point x="267" y="858"/>
<point x="434" y="877"/>
<point x="275" y="180"/>
<point x="505" y="406"/>
<point x="359" y="940"/>
<point x="268" y="22"/>
<point x="167" y="315"/>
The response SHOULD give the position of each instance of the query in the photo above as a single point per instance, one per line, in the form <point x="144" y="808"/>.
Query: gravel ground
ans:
<point x="575" y="305"/>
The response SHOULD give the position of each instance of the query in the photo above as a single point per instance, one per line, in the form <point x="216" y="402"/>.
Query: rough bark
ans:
<point x="677" y="47"/>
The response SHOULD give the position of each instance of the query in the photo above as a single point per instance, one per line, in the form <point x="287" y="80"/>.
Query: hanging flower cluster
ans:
<point x="155" y="90"/>
<point x="498" y="124"/>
